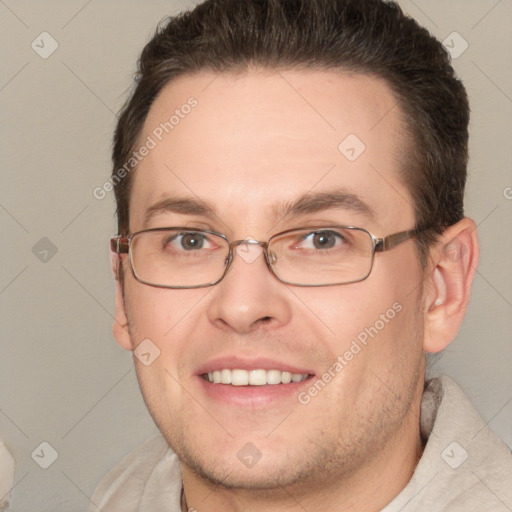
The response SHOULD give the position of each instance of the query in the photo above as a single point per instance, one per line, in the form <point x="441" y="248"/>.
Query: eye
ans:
<point x="188" y="241"/>
<point x="322" y="240"/>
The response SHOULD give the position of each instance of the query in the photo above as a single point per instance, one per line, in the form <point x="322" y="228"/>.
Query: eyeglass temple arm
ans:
<point x="119" y="245"/>
<point x="388" y="242"/>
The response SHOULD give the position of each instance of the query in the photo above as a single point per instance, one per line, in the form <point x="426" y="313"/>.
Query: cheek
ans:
<point x="158" y="319"/>
<point x="375" y="325"/>
<point x="165" y="317"/>
<point x="150" y="310"/>
<point x="348" y="312"/>
<point x="148" y="317"/>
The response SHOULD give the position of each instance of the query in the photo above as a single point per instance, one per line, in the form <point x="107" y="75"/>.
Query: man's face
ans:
<point x="253" y="143"/>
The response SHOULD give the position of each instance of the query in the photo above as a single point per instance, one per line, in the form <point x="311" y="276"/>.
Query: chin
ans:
<point x="238" y="464"/>
<point x="264" y="476"/>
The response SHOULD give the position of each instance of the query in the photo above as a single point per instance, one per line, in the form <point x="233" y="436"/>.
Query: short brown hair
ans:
<point x="368" y="36"/>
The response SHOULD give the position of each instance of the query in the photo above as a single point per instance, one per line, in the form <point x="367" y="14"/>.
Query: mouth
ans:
<point x="256" y="377"/>
<point x="256" y="382"/>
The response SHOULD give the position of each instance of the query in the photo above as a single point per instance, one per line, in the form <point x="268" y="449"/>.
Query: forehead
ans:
<point x="249" y="143"/>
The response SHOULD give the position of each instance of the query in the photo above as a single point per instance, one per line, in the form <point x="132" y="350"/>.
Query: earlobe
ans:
<point x="120" y="329"/>
<point x="447" y="291"/>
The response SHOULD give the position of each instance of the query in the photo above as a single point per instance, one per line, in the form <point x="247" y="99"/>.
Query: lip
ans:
<point x="252" y="397"/>
<point x="259" y="363"/>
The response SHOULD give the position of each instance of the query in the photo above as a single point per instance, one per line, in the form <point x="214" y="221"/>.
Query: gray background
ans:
<point x="63" y="378"/>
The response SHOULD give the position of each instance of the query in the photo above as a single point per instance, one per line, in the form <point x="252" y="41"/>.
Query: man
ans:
<point x="289" y="177"/>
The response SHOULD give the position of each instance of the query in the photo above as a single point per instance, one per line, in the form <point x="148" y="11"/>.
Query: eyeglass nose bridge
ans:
<point x="270" y="258"/>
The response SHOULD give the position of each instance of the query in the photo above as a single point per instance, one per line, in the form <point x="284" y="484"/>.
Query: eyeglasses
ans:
<point x="180" y="257"/>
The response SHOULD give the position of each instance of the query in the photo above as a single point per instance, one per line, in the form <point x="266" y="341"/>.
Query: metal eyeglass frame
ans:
<point x="121" y="245"/>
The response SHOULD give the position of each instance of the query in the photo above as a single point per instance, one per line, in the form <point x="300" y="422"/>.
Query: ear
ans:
<point x="453" y="265"/>
<point x="120" y="329"/>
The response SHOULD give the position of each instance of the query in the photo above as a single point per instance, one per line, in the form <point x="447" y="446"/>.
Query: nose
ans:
<point x="249" y="296"/>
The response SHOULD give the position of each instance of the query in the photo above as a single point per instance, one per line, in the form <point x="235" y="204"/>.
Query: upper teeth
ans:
<point x="254" y="377"/>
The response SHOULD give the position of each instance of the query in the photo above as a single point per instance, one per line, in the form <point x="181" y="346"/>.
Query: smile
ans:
<point x="259" y="377"/>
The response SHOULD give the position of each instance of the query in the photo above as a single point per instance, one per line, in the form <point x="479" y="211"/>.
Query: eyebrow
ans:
<point x="313" y="202"/>
<point x="183" y="205"/>
<point x="310" y="202"/>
